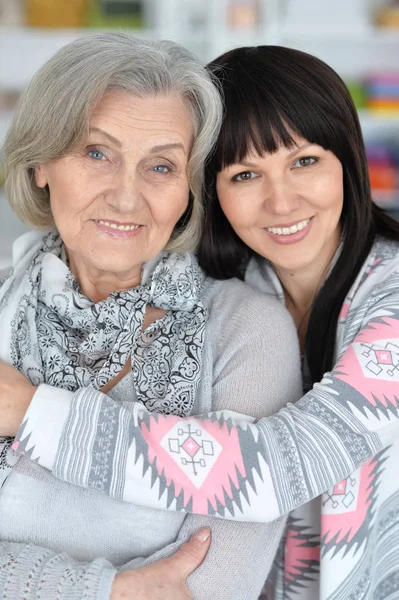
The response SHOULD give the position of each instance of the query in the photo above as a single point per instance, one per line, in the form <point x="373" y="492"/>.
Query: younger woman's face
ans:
<point x="286" y="206"/>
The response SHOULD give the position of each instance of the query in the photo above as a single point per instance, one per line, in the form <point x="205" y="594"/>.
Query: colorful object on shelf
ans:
<point x="83" y="13"/>
<point x="48" y="13"/>
<point x="383" y="162"/>
<point x="358" y="93"/>
<point x="115" y="13"/>
<point x="242" y="14"/>
<point x="388" y="16"/>
<point x="383" y="92"/>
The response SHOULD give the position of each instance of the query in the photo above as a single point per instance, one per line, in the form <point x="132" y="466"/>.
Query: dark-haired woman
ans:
<point x="290" y="210"/>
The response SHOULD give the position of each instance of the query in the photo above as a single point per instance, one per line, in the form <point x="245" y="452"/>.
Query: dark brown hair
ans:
<point x="271" y="93"/>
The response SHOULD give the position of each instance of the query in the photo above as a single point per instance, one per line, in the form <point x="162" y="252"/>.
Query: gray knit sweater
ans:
<point x="62" y="542"/>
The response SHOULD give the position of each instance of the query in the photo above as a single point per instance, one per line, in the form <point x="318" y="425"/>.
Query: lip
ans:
<point x="118" y="233"/>
<point x="293" y="238"/>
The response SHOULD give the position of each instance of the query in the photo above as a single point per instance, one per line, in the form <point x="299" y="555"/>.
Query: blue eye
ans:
<point x="305" y="161"/>
<point x="161" y="169"/>
<point x="244" y="176"/>
<point x="96" y="155"/>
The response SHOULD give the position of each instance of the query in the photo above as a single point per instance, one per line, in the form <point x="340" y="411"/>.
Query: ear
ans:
<point x="41" y="176"/>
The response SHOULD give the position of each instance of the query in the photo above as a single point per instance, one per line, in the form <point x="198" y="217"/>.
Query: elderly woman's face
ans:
<point x="116" y="199"/>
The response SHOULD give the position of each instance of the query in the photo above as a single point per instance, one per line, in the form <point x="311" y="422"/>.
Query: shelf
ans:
<point x="18" y="43"/>
<point x="379" y="125"/>
<point x="351" y="50"/>
<point x="371" y="35"/>
<point x="386" y="199"/>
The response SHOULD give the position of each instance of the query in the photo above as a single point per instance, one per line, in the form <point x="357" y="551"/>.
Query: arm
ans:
<point x="31" y="572"/>
<point x="250" y="376"/>
<point x="290" y="458"/>
<point x="28" y="571"/>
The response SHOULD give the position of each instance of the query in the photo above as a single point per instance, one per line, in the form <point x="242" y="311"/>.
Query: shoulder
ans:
<point x="237" y="310"/>
<point x="254" y="347"/>
<point x="380" y="272"/>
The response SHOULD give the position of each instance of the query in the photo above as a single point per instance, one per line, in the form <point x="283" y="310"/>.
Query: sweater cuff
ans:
<point x="40" y="432"/>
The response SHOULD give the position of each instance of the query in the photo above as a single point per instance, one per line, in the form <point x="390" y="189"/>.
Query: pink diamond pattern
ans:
<point x="193" y="449"/>
<point x="384" y="357"/>
<point x="340" y="488"/>
<point x="191" y="446"/>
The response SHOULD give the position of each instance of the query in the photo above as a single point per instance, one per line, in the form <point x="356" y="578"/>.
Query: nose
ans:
<point x="126" y="196"/>
<point x="280" y="198"/>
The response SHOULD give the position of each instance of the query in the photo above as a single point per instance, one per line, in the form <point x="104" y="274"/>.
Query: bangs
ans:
<point x="264" y="111"/>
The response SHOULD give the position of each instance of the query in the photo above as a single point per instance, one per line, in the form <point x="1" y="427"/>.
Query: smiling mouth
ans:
<point x="289" y="230"/>
<point x="118" y="227"/>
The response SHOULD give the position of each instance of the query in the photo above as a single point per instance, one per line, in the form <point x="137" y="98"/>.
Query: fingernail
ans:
<point x="202" y="534"/>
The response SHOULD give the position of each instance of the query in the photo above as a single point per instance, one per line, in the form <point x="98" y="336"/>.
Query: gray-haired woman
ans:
<point x="106" y="152"/>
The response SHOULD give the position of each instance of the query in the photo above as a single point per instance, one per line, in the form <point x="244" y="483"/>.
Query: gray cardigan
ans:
<point x="78" y="538"/>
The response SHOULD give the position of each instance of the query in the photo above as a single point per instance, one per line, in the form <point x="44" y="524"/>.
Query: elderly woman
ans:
<point x="106" y="152"/>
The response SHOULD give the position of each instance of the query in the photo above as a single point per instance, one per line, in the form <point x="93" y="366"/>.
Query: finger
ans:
<point x="192" y="553"/>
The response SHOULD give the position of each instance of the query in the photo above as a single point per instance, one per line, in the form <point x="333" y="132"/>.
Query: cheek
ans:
<point x="237" y="208"/>
<point x="166" y="210"/>
<point x="237" y="212"/>
<point x="336" y="199"/>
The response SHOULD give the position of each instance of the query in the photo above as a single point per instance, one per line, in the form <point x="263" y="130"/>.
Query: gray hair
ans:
<point x="53" y="115"/>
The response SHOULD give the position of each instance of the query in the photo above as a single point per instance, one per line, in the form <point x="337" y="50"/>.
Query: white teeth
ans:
<point x="288" y="230"/>
<point x="119" y="227"/>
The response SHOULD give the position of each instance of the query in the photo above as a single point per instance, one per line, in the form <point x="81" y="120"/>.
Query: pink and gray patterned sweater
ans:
<point x="342" y="436"/>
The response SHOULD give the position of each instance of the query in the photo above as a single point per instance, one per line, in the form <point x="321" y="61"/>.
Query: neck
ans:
<point x="97" y="284"/>
<point x="302" y="286"/>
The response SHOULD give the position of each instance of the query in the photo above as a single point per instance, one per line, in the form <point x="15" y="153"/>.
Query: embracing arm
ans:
<point x="258" y="376"/>
<point x="28" y="571"/>
<point x="31" y="572"/>
<point x="254" y="373"/>
<point x="279" y="462"/>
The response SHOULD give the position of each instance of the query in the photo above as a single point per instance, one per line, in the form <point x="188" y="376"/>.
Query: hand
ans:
<point x="16" y="393"/>
<point x="165" y="579"/>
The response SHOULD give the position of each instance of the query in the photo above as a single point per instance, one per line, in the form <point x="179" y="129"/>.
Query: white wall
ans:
<point x="351" y="49"/>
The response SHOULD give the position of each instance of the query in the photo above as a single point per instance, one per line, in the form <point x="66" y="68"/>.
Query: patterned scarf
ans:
<point x="53" y="334"/>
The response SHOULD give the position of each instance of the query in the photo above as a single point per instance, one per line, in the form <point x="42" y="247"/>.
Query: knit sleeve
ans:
<point x="30" y="572"/>
<point x="253" y="372"/>
<point x="256" y="470"/>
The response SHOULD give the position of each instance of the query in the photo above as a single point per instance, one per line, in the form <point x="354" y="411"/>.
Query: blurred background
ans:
<point x="358" y="38"/>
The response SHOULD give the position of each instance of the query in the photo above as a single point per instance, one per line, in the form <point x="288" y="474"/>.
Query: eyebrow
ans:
<point x="112" y="139"/>
<point x="291" y="154"/>
<point x="171" y="146"/>
<point x="299" y="149"/>
<point x="153" y="150"/>
<point x="245" y="163"/>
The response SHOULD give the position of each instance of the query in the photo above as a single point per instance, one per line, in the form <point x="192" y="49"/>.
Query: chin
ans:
<point x="294" y="263"/>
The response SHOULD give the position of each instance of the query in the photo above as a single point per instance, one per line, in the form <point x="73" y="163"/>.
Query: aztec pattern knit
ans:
<point x="64" y="542"/>
<point x="342" y="436"/>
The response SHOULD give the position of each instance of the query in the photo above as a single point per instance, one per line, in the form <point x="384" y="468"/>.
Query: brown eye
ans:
<point x="244" y="176"/>
<point x="305" y="161"/>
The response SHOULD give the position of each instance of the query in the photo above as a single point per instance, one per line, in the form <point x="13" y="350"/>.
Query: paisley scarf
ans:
<point x="54" y="334"/>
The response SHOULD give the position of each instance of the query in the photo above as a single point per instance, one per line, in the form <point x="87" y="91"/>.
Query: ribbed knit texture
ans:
<point x="28" y="572"/>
